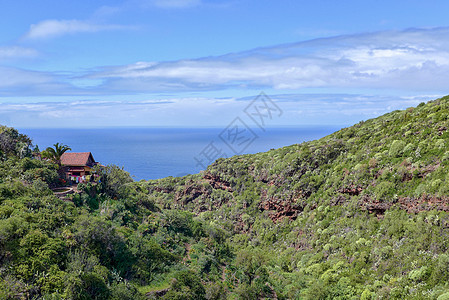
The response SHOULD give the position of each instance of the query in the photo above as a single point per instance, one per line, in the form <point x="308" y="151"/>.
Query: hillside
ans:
<point x="361" y="211"/>
<point x="360" y="214"/>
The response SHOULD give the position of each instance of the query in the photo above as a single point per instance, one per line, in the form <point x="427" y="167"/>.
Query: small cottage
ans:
<point x="77" y="165"/>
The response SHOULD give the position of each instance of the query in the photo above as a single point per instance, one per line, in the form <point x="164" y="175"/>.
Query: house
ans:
<point x="77" y="165"/>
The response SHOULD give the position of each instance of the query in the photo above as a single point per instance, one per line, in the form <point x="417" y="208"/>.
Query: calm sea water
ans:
<point x="151" y="153"/>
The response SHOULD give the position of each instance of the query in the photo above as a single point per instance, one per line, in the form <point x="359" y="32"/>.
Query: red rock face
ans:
<point x="217" y="183"/>
<point x="411" y="205"/>
<point x="351" y="190"/>
<point x="279" y="209"/>
<point x="190" y="193"/>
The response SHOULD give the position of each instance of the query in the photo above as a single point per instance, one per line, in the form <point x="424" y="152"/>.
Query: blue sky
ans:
<point x="199" y="62"/>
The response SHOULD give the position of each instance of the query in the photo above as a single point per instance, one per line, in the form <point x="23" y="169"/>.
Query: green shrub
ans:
<point x="186" y="285"/>
<point x="397" y="148"/>
<point x="385" y="191"/>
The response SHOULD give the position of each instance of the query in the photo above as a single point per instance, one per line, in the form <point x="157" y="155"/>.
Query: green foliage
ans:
<point x="359" y="214"/>
<point x="150" y="259"/>
<point x="13" y="144"/>
<point x="385" y="190"/>
<point x="186" y="285"/>
<point x="444" y="296"/>
<point x="397" y="148"/>
<point x="125" y="291"/>
<point x="106" y="243"/>
<point x="54" y="153"/>
<point x="114" y="180"/>
<point x="87" y="286"/>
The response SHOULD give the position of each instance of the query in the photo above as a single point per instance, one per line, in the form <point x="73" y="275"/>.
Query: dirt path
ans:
<point x="187" y="257"/>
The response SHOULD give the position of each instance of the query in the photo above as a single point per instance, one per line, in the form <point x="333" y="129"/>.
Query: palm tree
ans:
<point x="55" y="153"/>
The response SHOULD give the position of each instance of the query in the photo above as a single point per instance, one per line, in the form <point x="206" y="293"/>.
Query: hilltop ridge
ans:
<point x="398" y="159"/>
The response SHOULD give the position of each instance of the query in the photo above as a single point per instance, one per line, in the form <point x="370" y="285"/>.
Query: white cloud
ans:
<point x="405" y="61"/>
<point x="394" y="59"/>
<point x="55" y="28"/>
<point x="13" y="52"/>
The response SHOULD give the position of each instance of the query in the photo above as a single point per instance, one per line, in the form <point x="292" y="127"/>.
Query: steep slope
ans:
<point x="363" y="210"/>
<point x="399" y="159"/>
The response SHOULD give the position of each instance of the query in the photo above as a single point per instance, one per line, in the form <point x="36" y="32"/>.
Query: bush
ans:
<point x="179" y="222"/>
<point x="41" y="187"/>
<point x="114" y="180"/>
<point x="421" y="189"/>
<point x="125" y="291"/>
<point x="397" y="148"/>
<point x="87" y="286"/>
<point x="186" y="285"/>
<point x="444" y="296"/>
<point x="440" y="273"/>
<point x="385" y="191"/>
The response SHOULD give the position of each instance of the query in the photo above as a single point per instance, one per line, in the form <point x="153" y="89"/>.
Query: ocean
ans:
<point x="152" y="153"/>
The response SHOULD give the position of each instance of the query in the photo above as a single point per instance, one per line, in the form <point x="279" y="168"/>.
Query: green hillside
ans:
<point x="359" y="214"/>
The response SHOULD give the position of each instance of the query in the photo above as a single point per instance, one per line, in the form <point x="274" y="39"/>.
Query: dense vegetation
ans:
<point x="110" y="241"/>
<point x="359" y="214"/>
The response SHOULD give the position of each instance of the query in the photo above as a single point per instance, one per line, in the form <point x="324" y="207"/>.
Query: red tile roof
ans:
<point x="76" y="159"/>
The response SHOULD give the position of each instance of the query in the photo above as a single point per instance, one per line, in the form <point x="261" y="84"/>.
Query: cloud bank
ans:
<point x="298" y="110"/>
<point x="410" y="60"/>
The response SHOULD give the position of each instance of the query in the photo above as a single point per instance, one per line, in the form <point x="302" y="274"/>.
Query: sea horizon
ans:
<point x="157" y="152"/>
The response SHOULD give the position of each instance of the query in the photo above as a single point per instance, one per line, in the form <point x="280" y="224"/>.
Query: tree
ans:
<point x="12" y="143"/>
<point x="55" y="153"/>
<point x="114" y="180"/>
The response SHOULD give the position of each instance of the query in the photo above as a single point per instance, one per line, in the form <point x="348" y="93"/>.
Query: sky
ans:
<point x="200" y="63"/>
